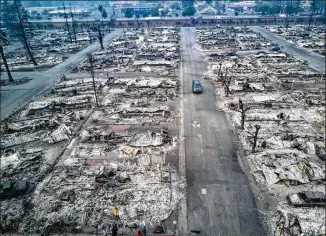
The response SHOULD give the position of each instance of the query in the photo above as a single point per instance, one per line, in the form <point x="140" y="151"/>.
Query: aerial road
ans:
<point x="315" y="61"/>
<point x="219" y="197"/>
<point x="13" y="97"/>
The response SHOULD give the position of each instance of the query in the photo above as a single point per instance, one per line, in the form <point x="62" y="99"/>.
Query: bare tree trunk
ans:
<point x="6" y="64"/>
<point x="91" y="63"/>
<point x="312" y="13"/>
<point x="73" y="23"/>
<point x="255" y="138"/>
<point x="65" y="15"/>
<point x="243" y="111"/>
<point x="227" y="82"/>
<point x="100" y="38"/>
<point x="219" y="70"/>
<point x="243" y="116"/>
<point x="24" y="36"/>
<point x="90" y="36"/>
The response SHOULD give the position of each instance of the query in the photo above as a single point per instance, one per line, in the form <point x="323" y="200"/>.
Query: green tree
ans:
<point x="175" y="6"/>
<point x="155" y="12"/>
<point x="38" y="17"/>
<point x="45" y="12"/>
<point x="34" y="13"/>
<point x="129" y="13"/>
<point x="187" y="3"/>
<point x="9" y="15"/>
<point x="275" y="9"/>
<point x="263" y="8"/>
<point x="145" y="14"/>
<point x="290" y="10"/>
<point x="209" y="2"/>
<point x="189" y="11"/>
<point x="236" y="13"/>
<point x="104" y="14"/>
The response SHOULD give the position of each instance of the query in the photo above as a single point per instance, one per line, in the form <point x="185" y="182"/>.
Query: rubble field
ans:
<point x="312" y="40"/>
<point x="230" y="39"/>
<point x="49" y="48"/>
<point x="79" y="161"/>
<point x="282" y="103"/>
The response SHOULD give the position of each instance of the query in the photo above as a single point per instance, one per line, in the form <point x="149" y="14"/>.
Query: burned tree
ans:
<point x="226" y="82"/>
<point x="3" y="39"/>
<point x="312" y="10"/>
<point x="100" y="38"/>
<point x="243" y="110"/>
<point x="91" y="71"/>
<point x="73" y="23"/>
<point x="67" y="25"/>
<point x="90" y="36"/>
<point x="255" y="138"/>
<point x="219" y="69"/>
<point x="22" y="30"/>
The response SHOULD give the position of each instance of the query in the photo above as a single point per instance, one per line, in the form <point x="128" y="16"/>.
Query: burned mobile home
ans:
<point x="276" y="103"/>
<point x="49" y="48"/>
<point x="89" y="145"/>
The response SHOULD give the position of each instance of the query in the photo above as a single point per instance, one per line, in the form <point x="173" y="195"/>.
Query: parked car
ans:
<point x="11" y="189"/>
<point x="196" y="86"/>
<point x="307" y="199"/>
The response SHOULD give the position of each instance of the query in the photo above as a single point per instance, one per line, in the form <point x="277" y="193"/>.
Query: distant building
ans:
<point x="76" y="12"/>
<point x="138" y="10"/>
<point x="243" y="4"/>
<point x="40" y="9"/>
<point x="208" y="11"/>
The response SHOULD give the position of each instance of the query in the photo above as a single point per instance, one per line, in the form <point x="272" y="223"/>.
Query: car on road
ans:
<point x="275" y="49"/>
<point x="196" y="86"/>
<point x="307" y="199"/>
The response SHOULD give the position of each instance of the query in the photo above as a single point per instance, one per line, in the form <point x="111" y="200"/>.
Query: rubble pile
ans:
<point x="312" y="39"/>
<point x="140" y="50"/>
<point x="282" y="99"/>
<point x="87" y="159"/>
<point x="231" y="39"/>
<point x="49" y="49"/>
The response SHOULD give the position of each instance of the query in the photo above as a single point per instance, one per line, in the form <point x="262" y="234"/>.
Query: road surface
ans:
<point x="315" y="61"/>
<point x="219" y="197"/>
<point x="12" y="97"/>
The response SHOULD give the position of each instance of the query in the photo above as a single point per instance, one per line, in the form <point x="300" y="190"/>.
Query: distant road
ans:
<point x="315" y="61"/>
<point x="12" y="97"/>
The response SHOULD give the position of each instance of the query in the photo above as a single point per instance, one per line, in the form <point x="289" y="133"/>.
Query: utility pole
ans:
<point x="5" y="62"/>
<point x="65" y="16"/>
<point x="24" y="35"/>
<point x="73" y="23"/>
<point x="91" y="62"/>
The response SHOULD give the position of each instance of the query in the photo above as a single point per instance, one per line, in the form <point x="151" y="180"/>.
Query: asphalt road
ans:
<point x="219" y="197"/>
<point x="315" y="61"/>
<point x="12" y="97"/>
